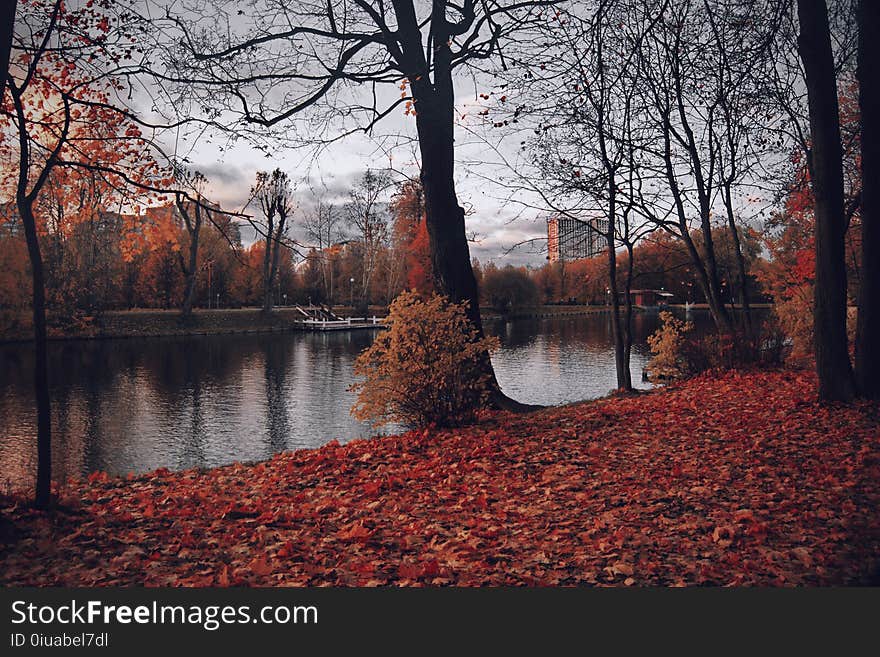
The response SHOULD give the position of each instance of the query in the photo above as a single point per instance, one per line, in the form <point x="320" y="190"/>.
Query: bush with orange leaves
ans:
<point x="667" y="344"/>
<point x="425" y="368"/>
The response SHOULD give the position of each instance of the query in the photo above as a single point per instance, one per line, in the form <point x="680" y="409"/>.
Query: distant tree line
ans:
<point x="183" y="255"/>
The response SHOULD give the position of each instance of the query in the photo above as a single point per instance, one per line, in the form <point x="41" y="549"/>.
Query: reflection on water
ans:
<point x="556" y="361"/>
<point x="135" y="405"/>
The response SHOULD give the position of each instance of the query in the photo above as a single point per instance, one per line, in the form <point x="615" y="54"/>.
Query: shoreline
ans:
<point x="155" y="323"/>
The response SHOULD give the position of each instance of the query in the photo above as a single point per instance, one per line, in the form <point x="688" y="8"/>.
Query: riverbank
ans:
<point x="574" y="310"/>
<point x="541" y="312"/>
<point x="654" y="489"/>
<point x="153" y="323"/>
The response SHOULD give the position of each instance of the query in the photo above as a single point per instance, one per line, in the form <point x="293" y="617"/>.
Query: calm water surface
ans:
<point x="135" y="405"/>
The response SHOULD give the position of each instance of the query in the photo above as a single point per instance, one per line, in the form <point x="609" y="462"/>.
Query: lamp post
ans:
<point x="351" y="294"/>
<point x="285" y="298"/>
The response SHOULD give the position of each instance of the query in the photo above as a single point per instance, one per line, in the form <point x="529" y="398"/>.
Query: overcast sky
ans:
<point x="496" y="223"/>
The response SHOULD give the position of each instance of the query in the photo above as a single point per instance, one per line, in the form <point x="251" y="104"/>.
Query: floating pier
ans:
<point x="319" y="318"/>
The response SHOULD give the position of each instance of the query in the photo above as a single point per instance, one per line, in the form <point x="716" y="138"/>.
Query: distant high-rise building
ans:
<point x="573" y="239"/>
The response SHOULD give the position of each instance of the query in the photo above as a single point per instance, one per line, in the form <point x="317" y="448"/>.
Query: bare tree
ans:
<point x="7" y="21"/>
<point x="598" y="145"/>
<point x="66" y="79"/>
<point x="191" y="215"/>
<point x="274" y="193"/>
<point x="667" y="88"/>
<point x="826" y="168"/>
<point x="278" y="59"/>
<point x="368" y="215"/>
<point x="322" y="225"/>
<point x="736" y="71"/>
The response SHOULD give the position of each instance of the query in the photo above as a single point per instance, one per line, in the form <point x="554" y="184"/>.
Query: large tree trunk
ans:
<point x="7" y="24"/>
<point x="836" y="381"/>
<point x="450" y="256"/>
<point x="868" y="330"/>
<point x="434" y="105"/>
<point x="43" y="494"/>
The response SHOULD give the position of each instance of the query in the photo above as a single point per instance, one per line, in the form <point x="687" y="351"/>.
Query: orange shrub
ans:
<point x="425" y="368"/>
<point x="795" y="316"/>
<point x="666" y="344"/>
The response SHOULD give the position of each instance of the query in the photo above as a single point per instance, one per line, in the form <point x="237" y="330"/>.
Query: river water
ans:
<point x="134" y="405"/>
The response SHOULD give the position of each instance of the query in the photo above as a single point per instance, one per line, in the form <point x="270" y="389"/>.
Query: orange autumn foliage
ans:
<point x="419" y="276"/>
<point x="425" y="368"/>
<point x="660" y="489"/>
<point x="411" y="236"/>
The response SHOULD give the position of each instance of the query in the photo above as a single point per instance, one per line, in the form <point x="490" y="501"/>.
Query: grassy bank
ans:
<point x="739" y="479"/>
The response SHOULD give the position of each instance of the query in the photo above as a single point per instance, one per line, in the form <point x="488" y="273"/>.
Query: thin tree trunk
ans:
<point x="836" y="381"/>
<point x="712" y="285"/>
<point x="624" y="380"/>
<point x="193" y="225"/>
<point x="707" y="282"/>
<point x="740" y="261"/>
<point x="628" y="335"/>
<point x="267" y="269"/>
<point x="868" y="330"/>
<point x="190" y="271"/>
<point x="25" y="204"/>
<point x="276" y="254"/>
<point x="190" y="287"/>
<point x="43" y="494"/>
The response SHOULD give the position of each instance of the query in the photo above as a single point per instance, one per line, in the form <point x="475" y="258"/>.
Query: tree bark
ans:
<point x="193" y="228"/>
<point x="450" y="256"/>
<point x="43" y="494"/>
<point x="868" y="329"/>
<point x="434" y="105"/>
<point x="836" y="380"/>
<point x="267" y="268"/>
<point x="624" y="378"/>
<point x="7" y="24"/>
<point x="705" y="279"/>
<point x="740" y="261"/>
<point x="628" y="313"/>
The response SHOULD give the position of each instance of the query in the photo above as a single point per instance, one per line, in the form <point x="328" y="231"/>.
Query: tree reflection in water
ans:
<point x="135" y="405"/>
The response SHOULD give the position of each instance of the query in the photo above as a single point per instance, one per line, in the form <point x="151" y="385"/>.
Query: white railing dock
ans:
<point x="346" y="324"/>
